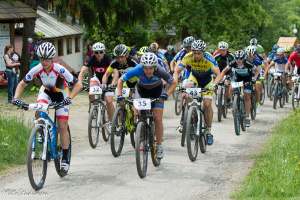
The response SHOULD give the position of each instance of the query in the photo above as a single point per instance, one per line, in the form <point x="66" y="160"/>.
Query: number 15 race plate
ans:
<point x="142" y="104"/>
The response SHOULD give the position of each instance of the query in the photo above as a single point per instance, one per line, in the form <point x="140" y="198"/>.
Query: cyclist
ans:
<point x="141" y="51"/>
<point x="54" y="79"/>
<point x="279" y="62"/>
<point x="294" y="60"/>
<point x="201" y="65"/>
<point x="272" y="54"/>
<point x="154" y="48"/>
<point x="242" y="70"/>
<point x="170" y="53"/>
<point x="187" y="42"/>
<point x="257" y="61"/>
<point x="98" y="65"/>
<point x="150" y="85"/>
<point x="223" y="58"/>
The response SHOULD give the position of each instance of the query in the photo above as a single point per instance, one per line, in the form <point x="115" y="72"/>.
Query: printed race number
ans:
<point x="95" y="90"/>
<point x="237" y="84"/>
<point x="142" y="104"/>
<point x="193" y="91"/>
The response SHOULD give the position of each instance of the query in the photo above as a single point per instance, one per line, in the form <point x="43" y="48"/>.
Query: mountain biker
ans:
<point x="242" y="70"/>
<point x="55" y="79"/>
<point x="150" y="85"/>
<point x="201" y="65"/>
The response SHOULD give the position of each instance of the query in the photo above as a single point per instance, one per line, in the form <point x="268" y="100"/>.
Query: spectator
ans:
<point x="10" y="71"/>
<point x="89" y="54"/>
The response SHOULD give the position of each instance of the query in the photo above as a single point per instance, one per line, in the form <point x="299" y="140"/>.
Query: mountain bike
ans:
<point x="44" y="144"/>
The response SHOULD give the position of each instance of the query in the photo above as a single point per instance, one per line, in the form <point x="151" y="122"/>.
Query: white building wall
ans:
<point x="75" y="60"/>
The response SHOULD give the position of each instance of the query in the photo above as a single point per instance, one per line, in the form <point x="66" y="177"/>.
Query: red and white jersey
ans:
<point x="49" y="79"/>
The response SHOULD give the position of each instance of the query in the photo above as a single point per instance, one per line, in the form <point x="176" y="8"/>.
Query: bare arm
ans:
<point x="172" y="65"/>
<point x="172" y="88"/>
<point x="116" y="77"/>
<point x="105" y="77"/>
<point x="76" y="89"/>
<point x="221" y="75"/>
<point x="120" y="87"/>
<point x="20" y="89"/>
<point x="83" y="71"/>
<point x="216" y="71"/>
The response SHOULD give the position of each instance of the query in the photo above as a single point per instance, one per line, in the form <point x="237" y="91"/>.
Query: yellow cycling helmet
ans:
<point x="142" y="50"/>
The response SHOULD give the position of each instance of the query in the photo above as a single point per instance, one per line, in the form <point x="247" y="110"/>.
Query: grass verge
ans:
<point x="13" y="141"/>
<point x="276" y="172"/>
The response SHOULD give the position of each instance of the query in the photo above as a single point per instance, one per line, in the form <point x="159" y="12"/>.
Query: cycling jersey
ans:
<point x="280" y="63"/>
<point x="52" y="80"/>
<point x="295" y="58"/>
<point x="201" y="69"/>
<point x="223" y="61"/>
<point x="53" y="83"/>
<point x="169" y="56"/>
<point x="271" y="55"/>
<point x="99" y="68"/>
<point x="179" y="56"/>
<point x="149" y="87"/>
<point x="257" y="61"/>
<point x="241" y="73"/>
<point x="121" y="67"/>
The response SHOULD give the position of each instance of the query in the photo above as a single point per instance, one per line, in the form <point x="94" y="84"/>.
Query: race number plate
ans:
<point x="236" y="84"/>
<point x="38" y="107"/>
<point x="142" y="104"/>
<point x="193" y="91"/>
<point x="95" y="90"/>
<point x="125" y="92"/>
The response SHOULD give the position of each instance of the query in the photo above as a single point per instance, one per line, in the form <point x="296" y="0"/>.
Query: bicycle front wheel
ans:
<point x="118" y="131"/>
<point x="141" y="149"/>
<point x="36" y="166"/>
<point x="192" y="137"/>
<point x="93" y="127"/>
<point x="178" y="103"/>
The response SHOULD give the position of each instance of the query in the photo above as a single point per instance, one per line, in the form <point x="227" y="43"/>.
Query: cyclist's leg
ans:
<point x="158" y="115"/>
<point x="110" y="105"/>
<point x="258" y="91"/>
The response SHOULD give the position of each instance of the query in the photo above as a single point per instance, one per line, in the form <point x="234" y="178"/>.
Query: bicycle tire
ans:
<point x="36" y="185"/>
<point x="178" y="103"/>
<point x="191" y="133"/>
<point x="93" y="116"/>
<point x="120" y="133"/>
<point x="183" y="135"/>
<point x="104" y="120"/>
<point x="141" y="144"/>
<point x="236" y="115"/>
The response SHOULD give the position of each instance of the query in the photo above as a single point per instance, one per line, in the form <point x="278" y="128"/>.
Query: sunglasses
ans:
<point x="99" y="52"/>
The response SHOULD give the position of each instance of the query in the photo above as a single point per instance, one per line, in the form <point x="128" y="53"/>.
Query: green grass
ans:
<point x="13" y="142"/>
<point x="276" y="172"/>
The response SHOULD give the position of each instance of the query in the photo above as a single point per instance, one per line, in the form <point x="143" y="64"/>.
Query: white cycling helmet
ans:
<point x="223" y="45"/>
<point x="149" y="59"/>
<point x="121" y="50"/>
<point x="170" y="48"/>
<point x="198" y="45"/>
<point x="280" y="51"/>
<point x="251" y="50"/>
<point x="253" y="41"/>
<point x="46" y="50"/>
<point x="187" y="42"/>
<point x="98" y="46"/>
<point x="240" y="54"/>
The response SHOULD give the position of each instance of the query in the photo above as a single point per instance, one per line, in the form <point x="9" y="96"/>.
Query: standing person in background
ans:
<point x="10" y="71"/>
<point x="89" y="54"/>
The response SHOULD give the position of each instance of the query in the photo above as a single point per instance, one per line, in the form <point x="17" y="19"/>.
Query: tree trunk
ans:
<point x="28" y="31"/>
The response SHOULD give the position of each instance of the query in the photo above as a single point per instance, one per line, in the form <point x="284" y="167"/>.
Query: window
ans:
<point x="77" y="44"/>
<point x="69" y="45"/>
<point x="60" y="47"/>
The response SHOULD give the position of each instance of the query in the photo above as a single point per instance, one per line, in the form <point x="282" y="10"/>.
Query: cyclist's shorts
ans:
<point x="47" y="97"/>
<point x="248" y="89"/>
<point x="206" y="95"/>
<point x="151" y="93"/>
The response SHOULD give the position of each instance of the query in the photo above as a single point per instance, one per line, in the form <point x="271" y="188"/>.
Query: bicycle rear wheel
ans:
<point x="295" y="99"/>
<point x="57" y="161"/>
<point x="178" y="103"/>
<point x="192" y="137"/>
<point x="141" y="149"/>
<point x="93" y="127"/>
<point x="220" y="104"/>
<point x="36" y="167"/>
<point x="118" y="132"/>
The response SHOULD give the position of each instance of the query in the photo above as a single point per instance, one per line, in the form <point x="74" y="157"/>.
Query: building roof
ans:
<point x="52" y="28"/>
<point x="287" y="41"/>
<point x="15" y="11"/>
